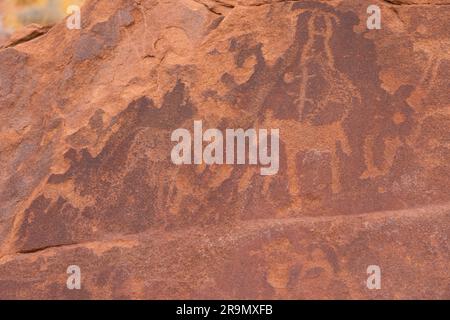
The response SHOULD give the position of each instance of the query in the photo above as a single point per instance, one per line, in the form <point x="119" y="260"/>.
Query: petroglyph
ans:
<point x="86" y="176"/>
<point x="317" y="69"/>
<point x="436" y="51"/>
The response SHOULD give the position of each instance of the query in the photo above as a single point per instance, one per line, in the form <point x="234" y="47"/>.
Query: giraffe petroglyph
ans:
<point x="317" y="60"/>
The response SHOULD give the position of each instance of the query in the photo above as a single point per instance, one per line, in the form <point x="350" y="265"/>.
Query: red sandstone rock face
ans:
<point x="364" y="117"/>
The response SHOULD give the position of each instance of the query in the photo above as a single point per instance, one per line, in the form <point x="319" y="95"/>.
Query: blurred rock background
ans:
<point x="15" y="14"/>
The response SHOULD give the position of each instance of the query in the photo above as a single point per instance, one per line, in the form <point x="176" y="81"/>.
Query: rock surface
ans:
<point x="364" y="116"/>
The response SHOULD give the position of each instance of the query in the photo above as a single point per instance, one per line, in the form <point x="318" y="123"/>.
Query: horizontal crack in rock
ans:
<point x="29" y="33"/>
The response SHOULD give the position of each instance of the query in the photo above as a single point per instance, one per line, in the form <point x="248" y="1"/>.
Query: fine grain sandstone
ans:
<point x="364" y="116"/>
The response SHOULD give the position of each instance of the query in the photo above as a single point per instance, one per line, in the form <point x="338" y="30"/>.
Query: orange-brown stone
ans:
<point x="364" y="116"/>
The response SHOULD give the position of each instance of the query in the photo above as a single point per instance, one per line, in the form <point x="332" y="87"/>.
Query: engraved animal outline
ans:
<point x="305" y="128"/>
<point x="319" y="133"/>
<point x="436" y="51"/>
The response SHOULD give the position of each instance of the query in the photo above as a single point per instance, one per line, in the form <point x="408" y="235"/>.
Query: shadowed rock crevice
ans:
<point x="29" y="33"/>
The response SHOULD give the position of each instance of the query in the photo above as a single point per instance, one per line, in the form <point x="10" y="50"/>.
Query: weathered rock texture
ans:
<point x="364" y="118"/>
